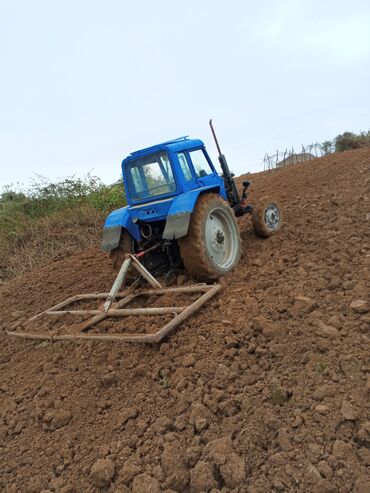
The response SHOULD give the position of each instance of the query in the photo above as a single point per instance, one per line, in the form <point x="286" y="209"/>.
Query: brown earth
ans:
<point x="265" y="389"/>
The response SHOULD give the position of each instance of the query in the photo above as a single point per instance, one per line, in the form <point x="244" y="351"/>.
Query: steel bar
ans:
<point x="148" y="338"/>
<point x="126" y="300"/>
<point x="144" y="252"/>
<point x="98" y="318"/>
<point x="184" y="289"/>
<point x="130" y="259"/>
<point x="118" y="282"/>
<point x="66" y="302"/>
<point x="145" y="273"/>
<point x="114" y="312"/>
<point x="164" y="331"/>
<point x="77" y="297"/>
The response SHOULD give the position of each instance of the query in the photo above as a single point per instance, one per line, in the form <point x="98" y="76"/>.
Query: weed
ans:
<point x="321" y="368"/>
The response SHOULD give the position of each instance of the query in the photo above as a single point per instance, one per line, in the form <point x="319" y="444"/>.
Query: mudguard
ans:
<point x="178" y="219"/>
<point x="117" y="220"/>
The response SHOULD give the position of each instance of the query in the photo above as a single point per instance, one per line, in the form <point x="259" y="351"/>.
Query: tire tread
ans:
<point x="192" y="246"/>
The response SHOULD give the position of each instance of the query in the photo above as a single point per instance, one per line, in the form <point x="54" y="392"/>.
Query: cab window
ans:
<point x="150" y="176"/>
<point x="200" y="163"/>
<point x="184" y="165"/>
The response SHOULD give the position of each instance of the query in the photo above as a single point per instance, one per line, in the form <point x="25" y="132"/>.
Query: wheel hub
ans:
<point x="221" y="238"/>
<point x="272" y="217"/>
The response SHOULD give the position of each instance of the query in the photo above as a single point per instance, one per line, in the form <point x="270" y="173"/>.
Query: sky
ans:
<point x="83" y="83"/>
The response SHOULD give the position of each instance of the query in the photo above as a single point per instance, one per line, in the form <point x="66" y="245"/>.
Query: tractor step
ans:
<point x="113" y="307"/>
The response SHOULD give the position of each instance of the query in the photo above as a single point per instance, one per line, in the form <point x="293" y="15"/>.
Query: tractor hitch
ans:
<point x="243" y="208"/>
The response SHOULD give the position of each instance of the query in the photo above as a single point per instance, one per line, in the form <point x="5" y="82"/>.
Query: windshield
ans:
<point x="150" y="176"/>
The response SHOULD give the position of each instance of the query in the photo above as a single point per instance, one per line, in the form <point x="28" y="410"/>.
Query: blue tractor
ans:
<point x="183" y="212"/>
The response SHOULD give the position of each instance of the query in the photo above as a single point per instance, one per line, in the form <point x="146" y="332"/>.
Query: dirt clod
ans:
<point x="347" y="411"/>
<point x="61" y="418"/>
<point x="360" y="306"/>
<point x="202" y="478"/>
<point x="343" y="450"/>
<point x="265" y="388"/>
<point x="145" y="483"/>
<point x="233" y="470"/>
<point x="130" y="413"/>
<point x="217" y="450"/>
<point x="102" y="472"/>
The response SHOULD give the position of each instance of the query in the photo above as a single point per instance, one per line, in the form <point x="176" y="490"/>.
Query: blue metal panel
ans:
<point x="178" y="218"/>
<point x="122" y="217"/>
<point x="186" y="201"/>
<point x="153" y="211"/>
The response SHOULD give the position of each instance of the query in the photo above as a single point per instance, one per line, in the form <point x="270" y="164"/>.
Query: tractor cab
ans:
<point x="168" y="169"/>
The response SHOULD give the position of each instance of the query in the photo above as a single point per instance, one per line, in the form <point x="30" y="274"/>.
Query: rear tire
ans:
<point x="126" y="245"/>
<point x="267" y="217"/>
<point x="212" y="246"/>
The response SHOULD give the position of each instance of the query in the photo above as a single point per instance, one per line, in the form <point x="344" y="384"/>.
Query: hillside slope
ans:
<point x="265" y="389"/>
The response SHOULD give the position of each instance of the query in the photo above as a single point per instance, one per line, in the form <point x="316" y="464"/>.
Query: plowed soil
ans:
<point x="265" y="389"/>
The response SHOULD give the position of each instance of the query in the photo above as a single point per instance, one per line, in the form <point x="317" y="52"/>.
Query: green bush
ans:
<point x="108" y="198"/>
<point x="51" y="216"/>
<point x="346" y="142"/>
<point x="349" y="140"/>
<point x="327" y="147"/>
<point x="44" y="197"/>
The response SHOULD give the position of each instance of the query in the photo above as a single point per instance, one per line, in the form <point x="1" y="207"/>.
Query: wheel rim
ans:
<point x="272" y="217"/>
<point x="221" y="238"/>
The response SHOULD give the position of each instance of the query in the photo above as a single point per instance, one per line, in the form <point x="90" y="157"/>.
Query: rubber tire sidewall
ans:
<point x="193" y="249"/>
<point x="258" y="217"/>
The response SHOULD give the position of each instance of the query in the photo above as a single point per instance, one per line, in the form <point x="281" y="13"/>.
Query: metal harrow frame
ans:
<point x="114" y="308"/>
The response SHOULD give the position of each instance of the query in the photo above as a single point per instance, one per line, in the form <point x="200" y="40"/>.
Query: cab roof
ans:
<point x="175" y="145"/>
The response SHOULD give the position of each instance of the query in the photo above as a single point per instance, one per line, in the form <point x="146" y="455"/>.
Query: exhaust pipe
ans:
<point x="231" y="190"/>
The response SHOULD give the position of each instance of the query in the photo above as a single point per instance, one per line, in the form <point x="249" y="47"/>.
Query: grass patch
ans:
<point x="52" y="218"/>
<point x="321" y="368"/>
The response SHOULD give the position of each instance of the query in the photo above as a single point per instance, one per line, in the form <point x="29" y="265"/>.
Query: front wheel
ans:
<point x="267" y="217"/>
<point x="212" y="246"/>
